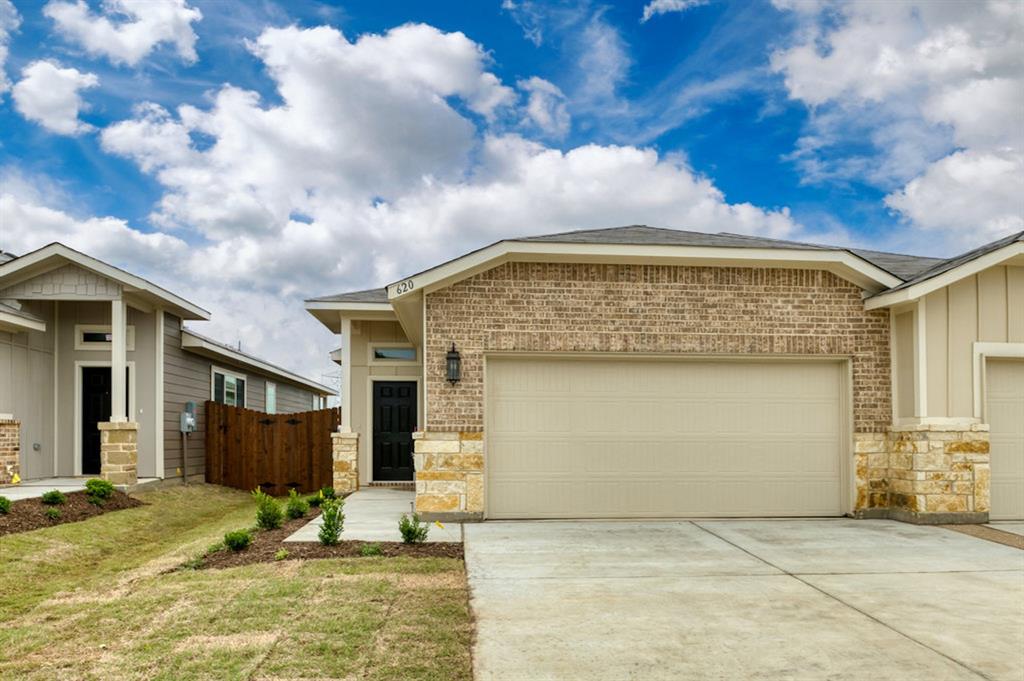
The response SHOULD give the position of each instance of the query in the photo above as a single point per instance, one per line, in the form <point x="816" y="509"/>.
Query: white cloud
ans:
<point x="9" y="22"/>
<point x="49" y="95"/>
<point x="126" y="31"/>
<point x="656" y="7"/>
<point x="546" y="106"/>
<point x="935" y="88"/>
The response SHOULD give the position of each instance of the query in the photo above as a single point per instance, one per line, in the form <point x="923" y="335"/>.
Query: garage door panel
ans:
<point x="1005" y="390"/>
<point x="595" y="438"/>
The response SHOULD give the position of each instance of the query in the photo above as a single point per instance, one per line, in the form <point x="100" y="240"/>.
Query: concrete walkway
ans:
<point x="1012" y="526"/>
<point x="30" y="489"/>
<point x="744" y="599"/>
<point x="372" y="514"/>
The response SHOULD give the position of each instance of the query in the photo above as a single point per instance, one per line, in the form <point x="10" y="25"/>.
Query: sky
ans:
<point x="249" y="155"/>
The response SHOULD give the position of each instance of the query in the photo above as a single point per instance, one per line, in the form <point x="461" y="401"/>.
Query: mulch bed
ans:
<point x="990" y="534"/>
<point x="266" y="543"/>
<point x="30" y="514"/>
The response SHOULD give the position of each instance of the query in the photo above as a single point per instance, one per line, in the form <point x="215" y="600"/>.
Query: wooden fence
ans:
<point x="248" y="449"/>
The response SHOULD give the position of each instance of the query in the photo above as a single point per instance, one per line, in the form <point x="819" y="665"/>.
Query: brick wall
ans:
<point x="10" y="449"/>
<point x="561" y="307"/>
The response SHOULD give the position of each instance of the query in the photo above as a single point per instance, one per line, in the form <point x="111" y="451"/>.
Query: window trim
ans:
<point x="267" y="385"/>
<point x="372" y="347"/>
<point x="214" y="370"/>
<point x="82" y="329"/>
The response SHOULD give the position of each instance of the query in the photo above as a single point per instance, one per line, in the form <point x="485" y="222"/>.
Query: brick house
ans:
<point x="641" y="372"/>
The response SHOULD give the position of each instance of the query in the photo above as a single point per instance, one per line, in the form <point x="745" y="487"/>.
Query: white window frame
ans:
<point x="227" y="373"/>
<point x="371" y="347"/>
<point x="81" y="329"/>
<point x="268" y="387"/>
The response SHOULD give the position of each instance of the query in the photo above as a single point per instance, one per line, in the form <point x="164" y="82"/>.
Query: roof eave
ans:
<point x="330" y="314"/>
<point x="13" y="323"/>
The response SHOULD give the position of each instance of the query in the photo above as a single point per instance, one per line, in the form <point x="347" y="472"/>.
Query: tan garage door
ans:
<point x="1005" y="379"/>
<point x="594" y="438"/>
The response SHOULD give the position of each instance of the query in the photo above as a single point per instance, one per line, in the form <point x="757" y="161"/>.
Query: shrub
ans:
<point x="98" y="491"/>
<point x="413" y="531"/>
<point x="297" y="506"/>
<point x="370" y="550"/>
<point x="281" y="554"/>
<point x="328" y="493"/>
<point x="54" y="498"/>
<point x="238" y="540"/>
<point x="268" y="512"/>
<point x="53" y="514"/>
<point x="5" y="505"/>
<point x="314" y="500"/>
<point x="333" y="521"/>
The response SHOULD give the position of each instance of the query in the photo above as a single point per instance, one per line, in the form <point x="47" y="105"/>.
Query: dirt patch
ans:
<point x="989" y="534"/>
<point x="30" y="514"/>
<point x="266" y="544"/>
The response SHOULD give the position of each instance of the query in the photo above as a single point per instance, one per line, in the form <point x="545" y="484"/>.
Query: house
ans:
<point x="640" y="372"/>
<point x="68" y="322"/>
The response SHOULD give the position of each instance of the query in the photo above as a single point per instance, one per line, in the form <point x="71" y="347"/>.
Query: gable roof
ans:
<point x="55" y="255"/>
<point x="370" y="295"/>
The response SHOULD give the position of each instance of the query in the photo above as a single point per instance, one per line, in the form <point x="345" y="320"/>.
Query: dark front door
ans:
<point x="394" y="420"/>
<point x="95" y="408"/>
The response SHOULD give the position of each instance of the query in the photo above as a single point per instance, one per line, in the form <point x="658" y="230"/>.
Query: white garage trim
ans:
<point x="981" y="352"/>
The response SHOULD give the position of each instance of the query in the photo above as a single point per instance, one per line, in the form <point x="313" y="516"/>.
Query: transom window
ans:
<point x="228" y="387"/>
<point x="393" y="353"/>
<point x="98" y="337"/>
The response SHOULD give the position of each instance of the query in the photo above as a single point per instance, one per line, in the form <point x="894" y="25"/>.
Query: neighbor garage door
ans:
<point x="594" y="438"/>
<point x="1005" y="383"/>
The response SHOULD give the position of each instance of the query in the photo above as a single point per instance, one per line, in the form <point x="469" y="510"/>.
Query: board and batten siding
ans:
<point x="987" y="307"/>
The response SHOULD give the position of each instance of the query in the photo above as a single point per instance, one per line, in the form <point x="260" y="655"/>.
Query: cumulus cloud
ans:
<point x="49" y="95"/>
<point x="126" y="31"/>
<point x="656" y="7"/>
<point x="9" y="22"/>
<point x="546" y="106"/>
<point x="936" y="88"/>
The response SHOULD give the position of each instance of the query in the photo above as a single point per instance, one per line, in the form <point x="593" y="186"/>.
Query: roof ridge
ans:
<point x="842" y="248"/>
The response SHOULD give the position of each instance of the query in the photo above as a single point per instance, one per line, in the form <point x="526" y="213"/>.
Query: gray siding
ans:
<point x="292" y="399"/>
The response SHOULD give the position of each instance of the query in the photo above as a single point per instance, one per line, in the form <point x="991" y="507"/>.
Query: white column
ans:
<point x="346" y="375"/>
<point x="118" y="360"/>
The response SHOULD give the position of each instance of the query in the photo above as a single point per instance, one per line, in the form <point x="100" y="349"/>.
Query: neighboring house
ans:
<point x="642" y="372"/>
<point x="68" y="322"/>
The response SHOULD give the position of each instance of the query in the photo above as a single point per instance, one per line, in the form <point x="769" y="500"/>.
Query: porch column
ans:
<point x="346" y="376"/>
<point x="118" y="361"/>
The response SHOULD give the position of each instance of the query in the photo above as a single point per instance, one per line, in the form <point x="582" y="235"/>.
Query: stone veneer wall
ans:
<point x="10" y="449"/>
<point x="449" y="475"/>
<point x="119" y="452"/>
<point x="345" y="456"/>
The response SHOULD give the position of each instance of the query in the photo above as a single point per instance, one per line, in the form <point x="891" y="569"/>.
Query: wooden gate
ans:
<point x="248" y="449"/>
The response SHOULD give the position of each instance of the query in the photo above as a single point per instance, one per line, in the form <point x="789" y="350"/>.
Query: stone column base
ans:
<point x="119" y="452"/>
<point x="345" y="462"/>
<point x="449" y="475"/>
<point x="10" y="449"/>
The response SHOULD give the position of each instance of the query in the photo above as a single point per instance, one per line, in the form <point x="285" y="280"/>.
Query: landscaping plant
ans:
<point x="367" y="550"/>
<point x="98" y="491"/>
<point x="333" y="521"/>
<point x="53" y="514"/>
<point x="5" y="505"/>
<point x="54" y="498"/>
<point x="280" y="554"/>
<point x="323" y="493"/>
<point x="269" y="515"/>
<point x="413" y="531"/>
<point x="297" y="506"/>
<point x="238" y="540"/>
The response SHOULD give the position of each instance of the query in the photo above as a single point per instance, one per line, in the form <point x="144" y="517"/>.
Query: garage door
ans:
<point x="586" y="438"/>
<point x="1005" y="387"/>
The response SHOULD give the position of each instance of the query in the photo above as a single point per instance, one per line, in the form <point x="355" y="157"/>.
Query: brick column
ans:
<point x="10" y="448"/>
<point x="345" y="455"/>
<point x="449" y="475"/>
<point x="119" y="452"/>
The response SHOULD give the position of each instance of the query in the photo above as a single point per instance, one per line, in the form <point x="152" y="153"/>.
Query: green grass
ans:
<point x="93" y="600"/>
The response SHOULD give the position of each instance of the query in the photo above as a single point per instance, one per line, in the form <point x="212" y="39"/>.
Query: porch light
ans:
<point x="454" y="361"/>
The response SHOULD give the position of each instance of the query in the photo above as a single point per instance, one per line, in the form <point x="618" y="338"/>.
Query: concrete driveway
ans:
<point x="746" y="599"/>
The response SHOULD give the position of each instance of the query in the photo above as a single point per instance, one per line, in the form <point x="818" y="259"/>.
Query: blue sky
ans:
<point x="273" y="151"/>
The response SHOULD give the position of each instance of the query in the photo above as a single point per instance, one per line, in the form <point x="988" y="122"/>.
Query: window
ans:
<point x="97" y="337"/>
<point x="271" y="406"/>
<point x="228" y="387"/>
<point x="392" y="353"/>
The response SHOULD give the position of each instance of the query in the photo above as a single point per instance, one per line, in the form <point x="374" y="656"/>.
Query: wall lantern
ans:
<point x="454" y="361"/>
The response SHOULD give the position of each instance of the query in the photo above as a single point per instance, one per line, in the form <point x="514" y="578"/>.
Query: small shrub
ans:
<point x="413" y="531"/>
<point x="281" y="554"/>
<point x="238" y="540"/>
<point x="297" y="506"/>
<point x="269" y="515"/>
<point x="54" y="498"/>
<point x="328" y="493"/>
<point x="333" y="522"/>
<point x="5" y="505"/>
<point x="53" y="513"/>
<point x="98" y="491"/>
<point x="314" y="500"/>
<point x="367" y="550"/>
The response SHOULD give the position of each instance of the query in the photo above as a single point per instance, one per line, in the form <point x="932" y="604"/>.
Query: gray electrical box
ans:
<point x="188" y="418"/>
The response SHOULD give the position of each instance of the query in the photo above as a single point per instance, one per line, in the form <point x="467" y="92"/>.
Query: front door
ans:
<point x="394" y="420"/>
<point x="95" y="409"/>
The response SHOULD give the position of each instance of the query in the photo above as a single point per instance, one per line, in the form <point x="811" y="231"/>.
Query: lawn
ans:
<point x="94" y="600"/>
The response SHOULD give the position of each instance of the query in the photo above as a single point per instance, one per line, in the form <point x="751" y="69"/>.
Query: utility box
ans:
<point x="188" y="418"/>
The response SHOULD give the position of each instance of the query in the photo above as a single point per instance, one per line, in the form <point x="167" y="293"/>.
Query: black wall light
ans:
<point x="454" y="361"/>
